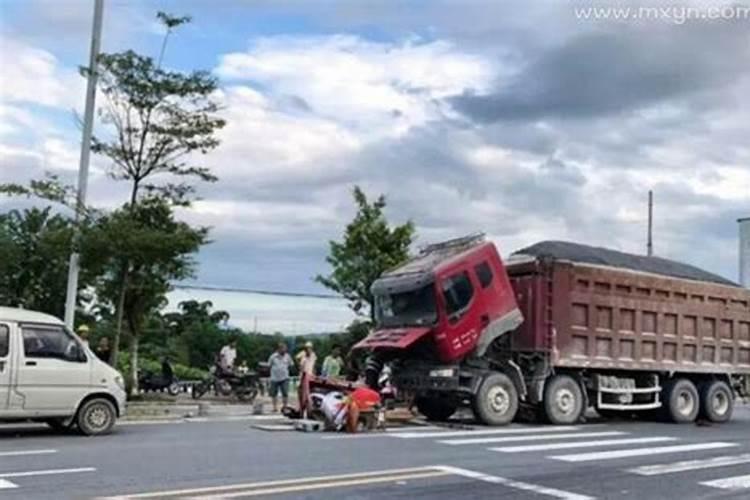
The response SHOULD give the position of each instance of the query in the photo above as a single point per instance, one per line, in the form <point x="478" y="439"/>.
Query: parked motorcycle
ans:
<point x="243" y="386"/>
<point x="164" y="381"/>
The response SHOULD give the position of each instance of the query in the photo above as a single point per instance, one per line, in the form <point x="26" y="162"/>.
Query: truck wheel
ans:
<point x="496" y="402"/>
<point x="96" y="416"/>
<point x="682" y="401"/>
<point x="438" y="410"/>
<point x="563" y="400"/>
<point x="717" y="401"/>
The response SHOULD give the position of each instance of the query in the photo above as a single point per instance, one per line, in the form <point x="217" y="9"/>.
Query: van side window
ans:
<point x="484" y="274"/>
<point x="4" y="341"/>
<point x="49" y="342"/>
<point x="458" y="292"/>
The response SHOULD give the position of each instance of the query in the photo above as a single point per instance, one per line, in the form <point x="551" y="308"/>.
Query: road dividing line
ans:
<point x="581" y="444"/>
<point x="638" y="452"/>
<point x="688" y="465"/>
<point x="7" y="485"/>
<point x="48" y="472"/>
<point x="543" y="437"/>
<point x="217" y="490"/>
<point x="322" y="485"/>
<point x="730" y="483"/>
<point x="518" y="485"/>
<point x="486" y="432"/>
<point x="18" y="453"/>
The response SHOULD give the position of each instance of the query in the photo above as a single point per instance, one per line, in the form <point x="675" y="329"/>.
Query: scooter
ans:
<point x="166" y="380"/>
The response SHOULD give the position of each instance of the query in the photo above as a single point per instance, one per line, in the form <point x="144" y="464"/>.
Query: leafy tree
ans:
<point x="34" y="248"/>
<point x="370" y="246"/>
<point x="158" y="121"/>
<point x="157" y="248"/>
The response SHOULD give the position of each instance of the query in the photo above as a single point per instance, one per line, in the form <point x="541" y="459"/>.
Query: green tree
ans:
<point x="158" y="250"/>
<point x="34" y="249"/>
<point x="370" y="246"/>
<point x="157" y="122"/>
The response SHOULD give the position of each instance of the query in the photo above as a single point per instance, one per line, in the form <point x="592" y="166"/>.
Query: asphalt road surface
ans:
<point x="230" y="459"/>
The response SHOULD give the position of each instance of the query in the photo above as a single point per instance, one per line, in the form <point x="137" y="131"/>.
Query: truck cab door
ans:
<point x="5" y="367"/>
<point x="53" y="371"/>
<point x="462" y="321"/>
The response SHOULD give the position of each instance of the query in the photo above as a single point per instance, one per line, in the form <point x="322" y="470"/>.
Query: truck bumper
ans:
<point x="434" y="378"/>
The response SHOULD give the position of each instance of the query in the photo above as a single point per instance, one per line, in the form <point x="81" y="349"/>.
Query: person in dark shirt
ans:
<point x="103" y="351"/>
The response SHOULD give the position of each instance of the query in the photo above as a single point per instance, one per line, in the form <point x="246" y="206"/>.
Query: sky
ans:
<point x="527" y="120"/>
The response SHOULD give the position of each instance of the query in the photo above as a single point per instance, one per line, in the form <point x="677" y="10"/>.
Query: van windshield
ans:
<point x="408" y="308"/>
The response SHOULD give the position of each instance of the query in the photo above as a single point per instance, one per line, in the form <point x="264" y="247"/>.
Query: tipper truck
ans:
<point x="557" y="329"/>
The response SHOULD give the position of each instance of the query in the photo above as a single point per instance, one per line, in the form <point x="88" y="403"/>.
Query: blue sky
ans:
<point x="514" y="118"/>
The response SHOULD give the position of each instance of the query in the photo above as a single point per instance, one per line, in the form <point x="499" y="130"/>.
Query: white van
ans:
<point x="47" y="374"/>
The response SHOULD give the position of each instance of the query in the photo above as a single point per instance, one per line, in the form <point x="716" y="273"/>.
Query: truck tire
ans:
<point x="496" y="401"/>
<point x="681" y="401"/>
<point x="717" y="401"/>
<point x="563" y="400"/>
<point x="435" y="409"/>
<point x="96" y="416"/>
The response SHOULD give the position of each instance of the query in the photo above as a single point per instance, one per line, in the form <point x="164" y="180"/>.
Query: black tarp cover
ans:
<point x="575" y="252"/>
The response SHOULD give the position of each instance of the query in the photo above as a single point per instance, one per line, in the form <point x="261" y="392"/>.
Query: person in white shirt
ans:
<point x="307" y="359"/>
<point x="227" y="356"/>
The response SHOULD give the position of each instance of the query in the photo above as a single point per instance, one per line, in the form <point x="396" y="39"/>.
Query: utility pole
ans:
<point x="650" y="242"/>
<point x="83" y="167"/>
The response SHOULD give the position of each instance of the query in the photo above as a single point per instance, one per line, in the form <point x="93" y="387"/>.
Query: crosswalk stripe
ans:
<point x="543" y="437"/>
<point x="581" y="444"/>
<point x="7" y="485"/>
<point x="688" y="465"/>
<point x="486" y="432"/>
<point x="730" y="483"/>
<point x="637" y="452"/>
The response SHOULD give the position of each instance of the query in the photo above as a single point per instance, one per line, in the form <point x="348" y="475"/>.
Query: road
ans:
<point x="231" y="459"/>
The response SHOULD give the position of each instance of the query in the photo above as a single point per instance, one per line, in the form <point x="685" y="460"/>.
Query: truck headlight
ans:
<point x="120" y="382"/>
<point x="443" y="372"/>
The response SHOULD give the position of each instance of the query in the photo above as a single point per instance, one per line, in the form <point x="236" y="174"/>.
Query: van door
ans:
<point x="53" y="373"/>
<point x="5" y="367"/>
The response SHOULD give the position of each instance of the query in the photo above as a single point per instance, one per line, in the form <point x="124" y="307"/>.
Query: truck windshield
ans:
<point x="410" y="308"/>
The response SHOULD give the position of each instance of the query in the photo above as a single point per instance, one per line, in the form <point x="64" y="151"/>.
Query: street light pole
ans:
<point x="83" y="168"/>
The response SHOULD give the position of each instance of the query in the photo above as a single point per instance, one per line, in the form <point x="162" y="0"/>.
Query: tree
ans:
<point x="158" y="250"/>
<point x="158" y="121"/>
<point x="370" y="247"/>
<point x="34" y="247"/>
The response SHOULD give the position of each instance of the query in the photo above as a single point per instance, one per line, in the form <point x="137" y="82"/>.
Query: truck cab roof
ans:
<point x="18" y="315"/>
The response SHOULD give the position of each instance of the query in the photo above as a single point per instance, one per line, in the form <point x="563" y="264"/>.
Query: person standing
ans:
<point x="306" y="360"/>
<point x="333" y="363"/>
<point x="279" y="364"/>
<point x="103" y="351"/>
<point x="227" y="357"/>
<point x="83" y="334"/>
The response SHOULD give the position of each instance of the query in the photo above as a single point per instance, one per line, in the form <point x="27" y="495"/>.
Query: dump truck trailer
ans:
<point x="559" y="328"/>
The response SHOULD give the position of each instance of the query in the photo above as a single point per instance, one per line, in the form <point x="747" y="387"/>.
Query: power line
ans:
<point x="256" y="291"/>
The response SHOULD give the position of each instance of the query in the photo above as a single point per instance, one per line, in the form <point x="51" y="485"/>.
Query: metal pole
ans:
<point x="83" y="168"/>
<point x="745" y="251"/>
<point x="650" y="243"/>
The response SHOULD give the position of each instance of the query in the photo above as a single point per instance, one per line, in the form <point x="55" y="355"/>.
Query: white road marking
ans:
<point x="581" y="444"/>
<point x="688" y="465"/>
<point x="388" y="433"/>
<point x="17" y="453"/>
<point x="543" y="437"/>
<point x="214" y="490"/>
<point x="518" y="485"/>
<point x="638" y="452"/>
<point x="47" y="472"/>
<point x="412" y="428"/>
<point x="7" y="485"/>
<point x="730" y="483"/>
<point x="486" y="432"/>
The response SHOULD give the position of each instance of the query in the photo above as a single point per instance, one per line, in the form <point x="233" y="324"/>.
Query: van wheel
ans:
<point x="563" y="400"/>
<point x="681" y="401"/>
<point x="717" y="401"/>
<point x="496" y="402"/>
<point x="96" y="416"/>
<point x="435" y="409"/>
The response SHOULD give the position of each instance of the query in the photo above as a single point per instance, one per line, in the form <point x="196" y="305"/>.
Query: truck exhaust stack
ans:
<point x="745" y="252"/>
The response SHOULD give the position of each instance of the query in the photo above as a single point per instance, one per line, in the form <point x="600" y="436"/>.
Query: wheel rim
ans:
<point x="565" y="401"/>
<point x="98" y="417"/>
<point x="685" y="403"/>
<point x="720" y="403"/>
<point x="498" y="399"/>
